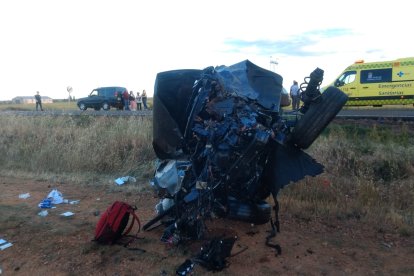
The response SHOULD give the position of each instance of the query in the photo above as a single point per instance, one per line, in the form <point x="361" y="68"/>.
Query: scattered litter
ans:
<point x="387" y="245"/>
<point x="56" y="196"/>
<point x="4" y="244"/>
<point x="214" y="254"/>
<point x="125" y="179"/>
<point x="137" y="249"/>
<point x="67" y="201"/>
<point x="24" y="196"/>
<point x="67" y="214"/>
<point x="186" y="268"/>
<point x="46" y="203"/>
<point x="43" y="213"/>
<point x="98" y="198"/>
<point x="119" y="181"/>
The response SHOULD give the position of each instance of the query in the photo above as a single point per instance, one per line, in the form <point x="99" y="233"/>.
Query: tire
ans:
<point x="82" y="106"/>
<point x="318" y="116"/>
<point x="257" y="213"/>
<point x="105" y="106"/>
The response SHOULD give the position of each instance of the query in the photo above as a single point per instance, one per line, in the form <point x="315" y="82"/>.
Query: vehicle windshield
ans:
<point x="345" y="78"/>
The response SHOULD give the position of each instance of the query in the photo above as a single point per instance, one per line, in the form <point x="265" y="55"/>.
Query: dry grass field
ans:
<point x="355" y="219"/>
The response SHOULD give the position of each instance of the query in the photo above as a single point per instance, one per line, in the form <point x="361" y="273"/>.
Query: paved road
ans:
<point x="378" y="113"/>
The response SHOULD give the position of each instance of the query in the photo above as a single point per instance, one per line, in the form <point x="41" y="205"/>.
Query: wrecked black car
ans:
<point x="224" y="144"/>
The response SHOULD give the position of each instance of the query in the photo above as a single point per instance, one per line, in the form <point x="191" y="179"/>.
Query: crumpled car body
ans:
<point x="224" y="144"/>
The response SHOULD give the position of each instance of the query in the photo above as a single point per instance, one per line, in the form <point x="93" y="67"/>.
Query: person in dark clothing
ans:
<point x="38" y="101"/>
<point x="125" y="97"/>
<point x="132" y="101"/>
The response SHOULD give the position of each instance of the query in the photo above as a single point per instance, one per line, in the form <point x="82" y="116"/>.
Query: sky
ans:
<point x="48" y="45"/>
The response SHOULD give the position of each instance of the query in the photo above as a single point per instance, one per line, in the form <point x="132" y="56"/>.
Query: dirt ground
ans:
<point x="56" y="245"/>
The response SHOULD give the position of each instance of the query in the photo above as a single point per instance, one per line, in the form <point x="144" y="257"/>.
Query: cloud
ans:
<point x="298" y="45"/>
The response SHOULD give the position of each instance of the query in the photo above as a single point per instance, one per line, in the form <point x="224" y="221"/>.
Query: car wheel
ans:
<point x="105" y="106"/>
<point x="318" y="116"/>
<point x="257" y="213"/>
<point x="82" y="106"/>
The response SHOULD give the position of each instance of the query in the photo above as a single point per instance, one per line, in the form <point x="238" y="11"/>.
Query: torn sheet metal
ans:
<point x="223" y="143"/>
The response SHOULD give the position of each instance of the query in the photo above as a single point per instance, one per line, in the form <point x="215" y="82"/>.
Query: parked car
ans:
<point x="103" y="97"/>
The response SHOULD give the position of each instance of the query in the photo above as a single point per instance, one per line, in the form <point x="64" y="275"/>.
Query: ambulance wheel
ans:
<point x="318" y="116"/>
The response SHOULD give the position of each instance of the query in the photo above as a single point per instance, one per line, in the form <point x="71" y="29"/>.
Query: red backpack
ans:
<point x="113" y="222"/>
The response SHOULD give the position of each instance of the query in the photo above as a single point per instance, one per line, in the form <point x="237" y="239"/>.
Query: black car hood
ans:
<point x="253" y="82"/>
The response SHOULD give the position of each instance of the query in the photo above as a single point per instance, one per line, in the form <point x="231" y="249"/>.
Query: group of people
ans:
<point x="135" y="102"/>
<point x="139" y="101"/>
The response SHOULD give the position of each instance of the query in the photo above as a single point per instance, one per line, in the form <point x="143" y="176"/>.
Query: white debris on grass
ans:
<point x="4" y="244"/>
<point x="125" y="179"/>
<point x="56" y="196"/>
<point x="43" y="213"/>
<point x="67" y="214"/>
<point x="24" y="196"/>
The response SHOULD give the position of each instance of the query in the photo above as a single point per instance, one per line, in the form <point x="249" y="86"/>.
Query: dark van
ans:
<point x="103" y="97"/>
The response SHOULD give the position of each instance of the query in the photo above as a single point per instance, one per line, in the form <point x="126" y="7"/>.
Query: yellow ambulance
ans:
<point x="378" y="83"/>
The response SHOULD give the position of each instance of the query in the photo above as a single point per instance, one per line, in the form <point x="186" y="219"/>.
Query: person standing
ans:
<point x="38" y="101"/>
<point x="125" y="97"/>
<point x="294" y="94"/>
<point x="139" y="101"/>
<point x="144" y="99"/>
<point x="132" y="102"/>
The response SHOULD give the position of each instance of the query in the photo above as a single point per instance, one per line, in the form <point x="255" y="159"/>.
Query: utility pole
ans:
<point x="69" y="89"/>
<point x="273" y="64"/>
